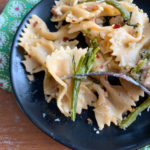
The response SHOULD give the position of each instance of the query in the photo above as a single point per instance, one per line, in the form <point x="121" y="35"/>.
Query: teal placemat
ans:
<point x="10" y="19"/>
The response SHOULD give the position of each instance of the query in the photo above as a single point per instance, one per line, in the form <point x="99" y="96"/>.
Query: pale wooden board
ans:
<point x="17" y="132"/>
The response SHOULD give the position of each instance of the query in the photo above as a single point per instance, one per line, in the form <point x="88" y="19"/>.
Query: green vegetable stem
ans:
<point x="84" y="66"/>
<point x="125" y="13"/>
<point x="132" y="116"/>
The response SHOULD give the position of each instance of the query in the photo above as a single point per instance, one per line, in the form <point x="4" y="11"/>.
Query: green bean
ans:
<point x="132" y="116"/>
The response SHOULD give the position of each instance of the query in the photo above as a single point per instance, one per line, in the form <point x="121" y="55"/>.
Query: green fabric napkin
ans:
<point x="145" y="148"/>
<point x="10" y="19"/>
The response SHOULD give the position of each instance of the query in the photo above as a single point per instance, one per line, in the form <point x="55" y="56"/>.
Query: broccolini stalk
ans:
<point x="138" y="67"/>
<point x="92" y="55"/>
<point x="75" y="92"/>
<point x="132" y="116"/>
<point x="76" y="86"/>
<point x="74" y="65"/>
<point x="84" y="66"/>
<point x="125" y="13"/>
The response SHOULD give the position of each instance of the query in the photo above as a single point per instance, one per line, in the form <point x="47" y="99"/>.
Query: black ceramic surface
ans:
<point x="79" y="135"/>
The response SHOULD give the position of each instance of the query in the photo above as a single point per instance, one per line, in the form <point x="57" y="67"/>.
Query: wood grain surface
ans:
<point x="17" y="132"/>
<point x="2" y="4"/>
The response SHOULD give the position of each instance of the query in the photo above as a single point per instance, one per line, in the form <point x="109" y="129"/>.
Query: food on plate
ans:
<point x="117" y="37"/>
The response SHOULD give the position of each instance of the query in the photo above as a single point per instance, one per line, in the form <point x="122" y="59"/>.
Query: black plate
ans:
<point x="79" y="135"/>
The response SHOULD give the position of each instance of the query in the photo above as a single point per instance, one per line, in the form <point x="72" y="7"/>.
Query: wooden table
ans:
<point x="17" y="132"/>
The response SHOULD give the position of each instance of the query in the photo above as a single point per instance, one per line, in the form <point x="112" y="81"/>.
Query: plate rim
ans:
<point x="17" y="97"/>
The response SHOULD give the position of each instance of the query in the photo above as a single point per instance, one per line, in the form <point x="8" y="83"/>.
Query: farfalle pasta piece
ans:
<point x="50" y="86"/>
<point x="57" y="70"/>
<point x="36" y="31"/>
<point x="118" y="96"/>
<point x="65" y="86"/>
<point x="84" y="25"/>
<point x="77" y="12"/>
<point x="127" y="42"/>
<point x="37" y="45"/>
<point x="114" y="102"/>
<point x="30" y="35"/>
<point x="34" y="45"/>
<point x="127" y="53"/>
<point x="40" y="53"/>
<point x="31" y="65"/>
<point x="100" y="64"/>
<point x="60" y="43"/>
<point x="139" y="19"/>
<point x="105" y="112"/>
<point x="60" y="34"/>
<point x="85" y="98"/>
<point x="133" y="91"/>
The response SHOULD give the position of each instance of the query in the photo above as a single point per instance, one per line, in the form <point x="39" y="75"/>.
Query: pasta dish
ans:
<point x="116" y="38"/>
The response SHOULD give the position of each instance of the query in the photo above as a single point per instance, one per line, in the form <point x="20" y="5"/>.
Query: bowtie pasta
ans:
<point x="117" y="35"/>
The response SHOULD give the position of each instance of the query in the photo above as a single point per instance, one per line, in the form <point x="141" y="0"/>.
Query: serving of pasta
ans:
<point x="116" y="35"/>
